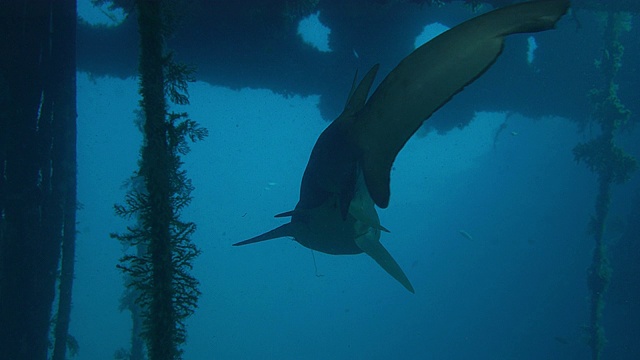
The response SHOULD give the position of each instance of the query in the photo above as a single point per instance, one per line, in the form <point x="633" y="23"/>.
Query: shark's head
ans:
<point x="323" y="228"/>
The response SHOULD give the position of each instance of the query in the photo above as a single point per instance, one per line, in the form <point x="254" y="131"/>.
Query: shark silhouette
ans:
<point x="348" y="172"/>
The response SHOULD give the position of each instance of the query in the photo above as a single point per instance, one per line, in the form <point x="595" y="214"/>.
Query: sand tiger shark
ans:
<point x="349" y="169"/>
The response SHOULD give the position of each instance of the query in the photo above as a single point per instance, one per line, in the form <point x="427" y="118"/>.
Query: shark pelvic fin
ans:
<point x="365" y="216"/>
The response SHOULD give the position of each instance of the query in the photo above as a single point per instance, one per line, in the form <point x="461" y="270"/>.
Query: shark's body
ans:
<point x="349" y="168"/>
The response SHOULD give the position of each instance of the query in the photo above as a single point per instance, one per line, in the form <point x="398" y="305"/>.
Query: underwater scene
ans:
<point x="320" y="179"/>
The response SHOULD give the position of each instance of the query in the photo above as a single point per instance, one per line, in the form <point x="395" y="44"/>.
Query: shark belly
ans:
<point x="323" y="229"/>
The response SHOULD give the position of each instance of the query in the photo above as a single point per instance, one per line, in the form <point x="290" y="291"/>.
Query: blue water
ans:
<point x="515" y="290"/>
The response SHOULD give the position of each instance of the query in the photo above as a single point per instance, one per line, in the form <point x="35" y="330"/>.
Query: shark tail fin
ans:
<point x="281" y="231"/>
<point x="427" y="79"/>
<point x="377" y="252"/>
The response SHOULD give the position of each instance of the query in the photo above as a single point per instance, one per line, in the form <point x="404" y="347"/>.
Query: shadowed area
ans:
<point x="255" y="44"/>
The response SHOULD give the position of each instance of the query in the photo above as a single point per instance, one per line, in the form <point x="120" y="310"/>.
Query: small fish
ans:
<point x="513" y="133"/>
<point x="465" y="234"/>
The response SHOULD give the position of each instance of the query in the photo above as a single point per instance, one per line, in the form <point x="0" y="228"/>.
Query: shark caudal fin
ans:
<point x="286" y="230"/>
<point x="377" y="252"/>
<point x="430" y="76"/>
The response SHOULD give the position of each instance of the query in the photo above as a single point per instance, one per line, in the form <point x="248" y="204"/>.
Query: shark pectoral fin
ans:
<point x="286" y="214"/>
<point x="281" y="231"/>
<point x="377" y="252"/>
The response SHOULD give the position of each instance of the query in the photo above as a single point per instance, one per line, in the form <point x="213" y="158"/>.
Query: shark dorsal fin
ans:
<point x="358" y="95"/>
<point x="352" y="90"/>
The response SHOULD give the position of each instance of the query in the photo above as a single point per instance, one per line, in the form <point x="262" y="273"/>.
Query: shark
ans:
<point x="349" y="169"/>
